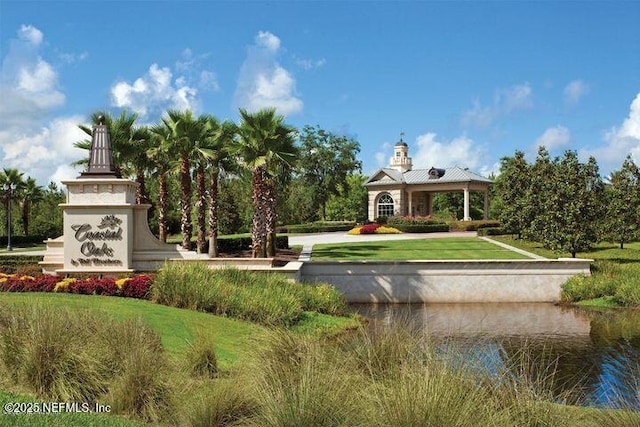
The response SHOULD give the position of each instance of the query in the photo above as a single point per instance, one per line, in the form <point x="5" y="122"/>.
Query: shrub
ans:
<point x="387" y="230"/>
<point x="369" y="228"/>
<point x="137" y="287"/>
<point x="382" y="220"/>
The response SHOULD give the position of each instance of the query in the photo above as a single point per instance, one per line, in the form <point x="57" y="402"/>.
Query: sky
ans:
<point x="467" y="82"/>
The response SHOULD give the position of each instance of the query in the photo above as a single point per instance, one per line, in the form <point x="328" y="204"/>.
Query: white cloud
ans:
<point x="461" y="151"/>
<point x="29" y="139"/>
<point x="574" y="91"/>
<point x="554" y="137"/>
<point x="154" y="92"/>
<point x="30" y="34"/>
<point x="620" y="141"/>
<point x="381" y="159"/>
<point x="505" y="102"/>
<point x="310" y="64"/>
<point x="267" y="40"/>
<point x="263" y="82"/>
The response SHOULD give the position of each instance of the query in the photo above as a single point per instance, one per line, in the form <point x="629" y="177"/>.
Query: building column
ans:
<point x="410" y="212"/>
<point x="486" y="204"/>
<point x="466" y="204"/>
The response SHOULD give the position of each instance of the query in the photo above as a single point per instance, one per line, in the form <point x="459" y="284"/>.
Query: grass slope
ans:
<point x="175" y="326"/>
<point x="418" y="249"/>
<point x="232" y="338"/>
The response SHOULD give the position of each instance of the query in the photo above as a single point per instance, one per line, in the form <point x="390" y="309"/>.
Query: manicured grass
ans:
<point x="418" y="249"/>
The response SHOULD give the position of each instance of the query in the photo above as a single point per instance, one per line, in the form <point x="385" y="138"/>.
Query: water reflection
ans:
<point x="584" y="356"/>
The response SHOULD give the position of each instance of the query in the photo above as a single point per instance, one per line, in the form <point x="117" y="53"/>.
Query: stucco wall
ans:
<point x="446" y="281"/>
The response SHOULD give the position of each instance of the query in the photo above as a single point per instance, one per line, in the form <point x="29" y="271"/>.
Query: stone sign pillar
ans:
<point x="98" y="225"/>
<point x="105" y="231"/>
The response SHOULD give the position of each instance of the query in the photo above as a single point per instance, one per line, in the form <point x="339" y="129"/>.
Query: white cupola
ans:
<point x="401" y="160"/>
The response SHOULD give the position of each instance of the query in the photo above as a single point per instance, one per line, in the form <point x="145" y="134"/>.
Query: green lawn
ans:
<point x="418" y="249"/>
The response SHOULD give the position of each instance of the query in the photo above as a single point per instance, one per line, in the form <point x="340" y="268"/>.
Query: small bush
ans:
<point x="369" y="228"/>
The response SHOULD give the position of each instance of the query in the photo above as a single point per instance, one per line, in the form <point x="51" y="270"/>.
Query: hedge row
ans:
<point x="474" y="225"/>
<point x="396" y="221"/>
<point x="491" y="231"/>
<point x="316" y="227"/>
<point x="425" y="228"/>
<point x="11" y="263"/>
<point x="238" y="244"/>
<point x="37" y="239"/>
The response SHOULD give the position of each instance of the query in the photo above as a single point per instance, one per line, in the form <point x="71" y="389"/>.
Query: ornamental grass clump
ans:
<point x="79" y="356"/>
<point x="201" y="358"/>
<point x="264" y="298"/>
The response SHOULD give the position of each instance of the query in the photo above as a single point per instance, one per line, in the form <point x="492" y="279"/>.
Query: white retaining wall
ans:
<point x="447" y="281"/>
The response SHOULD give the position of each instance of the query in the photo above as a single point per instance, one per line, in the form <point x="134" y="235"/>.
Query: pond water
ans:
<point x="593" y="356"/>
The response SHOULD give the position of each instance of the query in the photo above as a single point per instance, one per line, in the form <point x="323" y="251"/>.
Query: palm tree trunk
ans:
<point x="270" y="217"/>
<point x="142" y="195"/>
<point x="258" y="226"/>
<point x="25" y="217"/>
<point x="213" y="213"/>
<point x="201" y="206"/>
<point x="185" y="201"/>
<point x="162" y="213"/>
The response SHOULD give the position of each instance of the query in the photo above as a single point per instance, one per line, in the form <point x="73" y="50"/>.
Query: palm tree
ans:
<point x="264" y="141"/>
<point x="201" y="156"/>
<point x="13" y="179"/>
<point x="31" y="193"/>
<point x="160" y="157"/>
<point x="183" y="130"/>
<point x="219" y="160"/>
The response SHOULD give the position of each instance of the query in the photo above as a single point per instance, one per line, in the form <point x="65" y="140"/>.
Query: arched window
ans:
<point x="385" y="205"/>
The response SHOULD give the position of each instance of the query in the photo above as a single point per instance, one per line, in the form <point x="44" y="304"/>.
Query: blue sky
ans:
<point x="468" y="82"/>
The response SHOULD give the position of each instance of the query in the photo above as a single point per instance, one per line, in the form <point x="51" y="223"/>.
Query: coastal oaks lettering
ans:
<point x="94" y="244"/>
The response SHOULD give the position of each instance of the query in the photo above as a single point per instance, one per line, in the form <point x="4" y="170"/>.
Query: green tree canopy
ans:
<point x="622" y="221"/>
<point x="326" y="159"/>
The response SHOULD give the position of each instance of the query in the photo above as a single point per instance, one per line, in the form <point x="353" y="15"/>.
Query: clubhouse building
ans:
<point x="401" y="190"/>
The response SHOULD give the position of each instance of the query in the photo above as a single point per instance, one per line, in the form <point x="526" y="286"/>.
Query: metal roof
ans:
<point x="421" y="176"/>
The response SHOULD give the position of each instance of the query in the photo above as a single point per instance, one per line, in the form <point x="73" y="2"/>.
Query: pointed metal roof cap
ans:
<point x="101" y="157"/>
